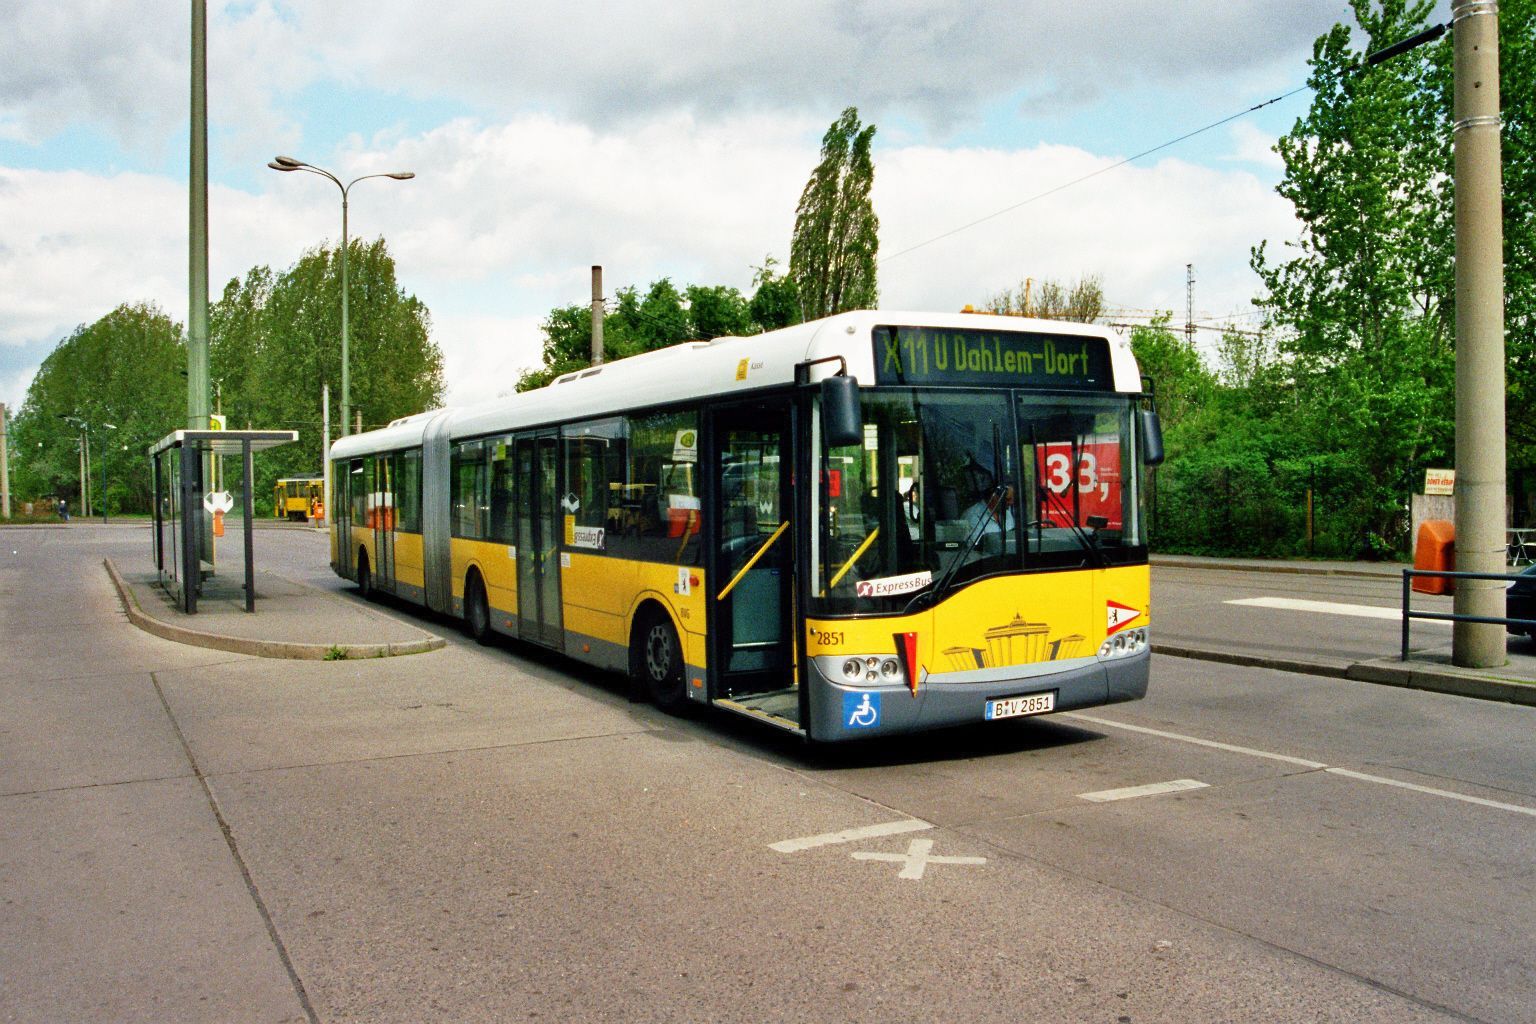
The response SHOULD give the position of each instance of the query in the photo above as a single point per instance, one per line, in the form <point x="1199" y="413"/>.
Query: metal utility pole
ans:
<point x="1189" y="304"/>
<point x="597" y="316"/>
<point x="5" y="469"/>
<point x="197" y="190"/>
<point x="325" y="448"/>
<point x="1480" y="442"/>
<point x="84" y="510"/>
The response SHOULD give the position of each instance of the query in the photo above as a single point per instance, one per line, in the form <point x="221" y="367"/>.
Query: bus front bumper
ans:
<point x="840" y="712"/>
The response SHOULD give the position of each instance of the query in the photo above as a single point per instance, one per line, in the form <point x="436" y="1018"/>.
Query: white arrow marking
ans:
<point x="917" y="858"/>
<point x="850" y="835"/>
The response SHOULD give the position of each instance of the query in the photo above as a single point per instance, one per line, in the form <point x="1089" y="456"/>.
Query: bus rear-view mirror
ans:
<point x="840" y="418"/>
<point x="1151" y="437"/>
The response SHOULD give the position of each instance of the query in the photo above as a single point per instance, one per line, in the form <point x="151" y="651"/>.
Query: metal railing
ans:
<point x="1409" y="613"/>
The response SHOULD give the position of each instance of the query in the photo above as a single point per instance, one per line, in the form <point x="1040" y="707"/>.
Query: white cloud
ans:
<point x="504" y="221"/>
<point x="936" y="58"/>
<point x="1250" y="144"/>
<point x="122" y="67"/>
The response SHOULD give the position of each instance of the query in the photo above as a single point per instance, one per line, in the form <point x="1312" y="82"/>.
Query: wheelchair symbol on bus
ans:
<point x="861" y="710"/>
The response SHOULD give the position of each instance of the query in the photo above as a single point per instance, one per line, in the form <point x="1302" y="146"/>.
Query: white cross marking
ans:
<point x="917" y="858"/>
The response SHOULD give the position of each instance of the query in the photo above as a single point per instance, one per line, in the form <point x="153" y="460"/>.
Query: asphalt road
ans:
<point x="486" y="834"/>
<point x="1197" y="606"/>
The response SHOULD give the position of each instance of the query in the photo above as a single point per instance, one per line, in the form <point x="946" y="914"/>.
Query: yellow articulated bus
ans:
<point x="871" y="524"/>
<point x="297" y="497"/>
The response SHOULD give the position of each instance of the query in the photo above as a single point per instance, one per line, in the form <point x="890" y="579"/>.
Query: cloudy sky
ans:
<point x="655" y="139"/>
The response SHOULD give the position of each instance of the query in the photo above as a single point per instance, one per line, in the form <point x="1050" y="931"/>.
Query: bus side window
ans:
<point x="663" y="470"/>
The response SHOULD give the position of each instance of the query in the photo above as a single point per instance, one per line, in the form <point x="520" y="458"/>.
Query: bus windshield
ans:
<point x="950" y="485"/>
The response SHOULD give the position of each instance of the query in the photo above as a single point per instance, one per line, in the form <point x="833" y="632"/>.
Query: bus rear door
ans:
<point x="537" y="458"/>
<point x="383" y="501"/>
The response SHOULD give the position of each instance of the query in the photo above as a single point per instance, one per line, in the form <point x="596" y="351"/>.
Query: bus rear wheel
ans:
<point x="657" y="662"/>
<point x="364" y="577"/>
<point x="477" y="611"/>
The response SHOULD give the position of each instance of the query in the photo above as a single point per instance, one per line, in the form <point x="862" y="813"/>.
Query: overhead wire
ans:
<point x="1094" y="174"/>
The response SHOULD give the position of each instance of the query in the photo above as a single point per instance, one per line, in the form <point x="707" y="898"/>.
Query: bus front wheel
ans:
<point x="658" y="661"/>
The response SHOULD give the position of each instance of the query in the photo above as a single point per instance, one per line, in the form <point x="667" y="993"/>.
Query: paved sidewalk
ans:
<point x="1425" y="670"/>
<point x="291" y="620"/>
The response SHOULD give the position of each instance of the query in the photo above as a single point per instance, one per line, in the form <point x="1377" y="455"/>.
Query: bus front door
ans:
<point x="538" y="540"/>
<point x="752" y="649"/>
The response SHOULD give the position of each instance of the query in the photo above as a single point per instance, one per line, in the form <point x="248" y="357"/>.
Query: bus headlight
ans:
<point x="867" y="669"/>
<point x="1124" y="643"/>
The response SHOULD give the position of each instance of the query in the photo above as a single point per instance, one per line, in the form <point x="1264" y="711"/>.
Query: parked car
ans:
<point x="1520" y="602"/>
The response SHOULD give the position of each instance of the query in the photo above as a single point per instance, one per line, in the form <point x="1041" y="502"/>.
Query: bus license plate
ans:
<point x="1013" y="707"/>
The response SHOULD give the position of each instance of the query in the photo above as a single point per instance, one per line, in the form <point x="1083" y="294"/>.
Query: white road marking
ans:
<point x="1317" y="765"/>
<point x="1516" y="808"/>
<point x="1359" y="611"/>
<point x="1104" y="796"/>
<point x="850" y="835"/>
<point x="1230" y="748"/>
<point x="917" y="858"/>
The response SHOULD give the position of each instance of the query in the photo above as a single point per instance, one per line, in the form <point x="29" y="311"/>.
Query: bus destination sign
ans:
<point x="967" y="356"/>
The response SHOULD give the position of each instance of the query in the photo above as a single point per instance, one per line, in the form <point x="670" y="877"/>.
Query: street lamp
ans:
<point x="85" y="463"/>
<point x="288" y="163"/>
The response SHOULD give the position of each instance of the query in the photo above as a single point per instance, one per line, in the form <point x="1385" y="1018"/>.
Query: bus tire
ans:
<point x="477" y="610"/>
<point x="657" y="659"/>
<point x="364" y="577"/>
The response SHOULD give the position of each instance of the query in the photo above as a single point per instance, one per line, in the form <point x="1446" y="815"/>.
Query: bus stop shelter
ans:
<point x="188" y="505"/>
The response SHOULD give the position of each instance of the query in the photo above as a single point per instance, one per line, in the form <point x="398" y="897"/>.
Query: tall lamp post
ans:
<point x="288" y="163"/>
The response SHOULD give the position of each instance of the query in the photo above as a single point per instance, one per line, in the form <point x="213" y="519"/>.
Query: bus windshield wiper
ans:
<point x="938" y="590"/>
<point x="1087" y="540"/>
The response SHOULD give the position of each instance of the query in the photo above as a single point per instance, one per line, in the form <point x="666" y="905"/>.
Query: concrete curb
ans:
<point x="1311" y="668"/>
<point x="259" y="648"/>
<point x="1384" y="672"/>
<point x="1417" y="677"/>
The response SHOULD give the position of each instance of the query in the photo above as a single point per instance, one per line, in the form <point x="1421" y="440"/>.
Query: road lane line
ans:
<point x="1292" y="604"/>
<point x="1104" y="796"/>
<point x="850" y="835"/>
<point x="1230" y="748"/>
<point x="1379" y="780"/>
<point x="1382" y="780"/>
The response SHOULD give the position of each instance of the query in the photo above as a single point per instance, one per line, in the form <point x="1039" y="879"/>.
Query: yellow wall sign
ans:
<point x="1439" y="481"/>
<point x="215" y="421"/>
<point x="741" y="370"/>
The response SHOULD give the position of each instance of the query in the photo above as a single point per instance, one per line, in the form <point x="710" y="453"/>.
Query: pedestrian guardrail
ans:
<point x="1409" y="613"/>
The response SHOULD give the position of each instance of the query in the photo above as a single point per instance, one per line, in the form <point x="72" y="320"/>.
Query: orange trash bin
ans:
<point x="1436" y="550"/>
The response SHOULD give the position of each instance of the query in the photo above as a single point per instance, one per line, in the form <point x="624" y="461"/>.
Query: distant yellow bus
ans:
<point x="297" y="497"/>
<point x="871" y="524"/>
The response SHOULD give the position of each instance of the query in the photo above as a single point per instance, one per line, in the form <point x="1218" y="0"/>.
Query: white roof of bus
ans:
<point x="715" y="368"/>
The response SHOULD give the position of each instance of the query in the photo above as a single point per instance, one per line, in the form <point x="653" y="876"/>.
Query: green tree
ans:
<point x="1081" y="301"/>
<point x="275" y="342"/>
<point x="775" y="298"/>
<point x="836" y="236"/>
<point x="125" y="369"/>
<point x="662" y="316"/>
<point x="1363" y="303"/>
